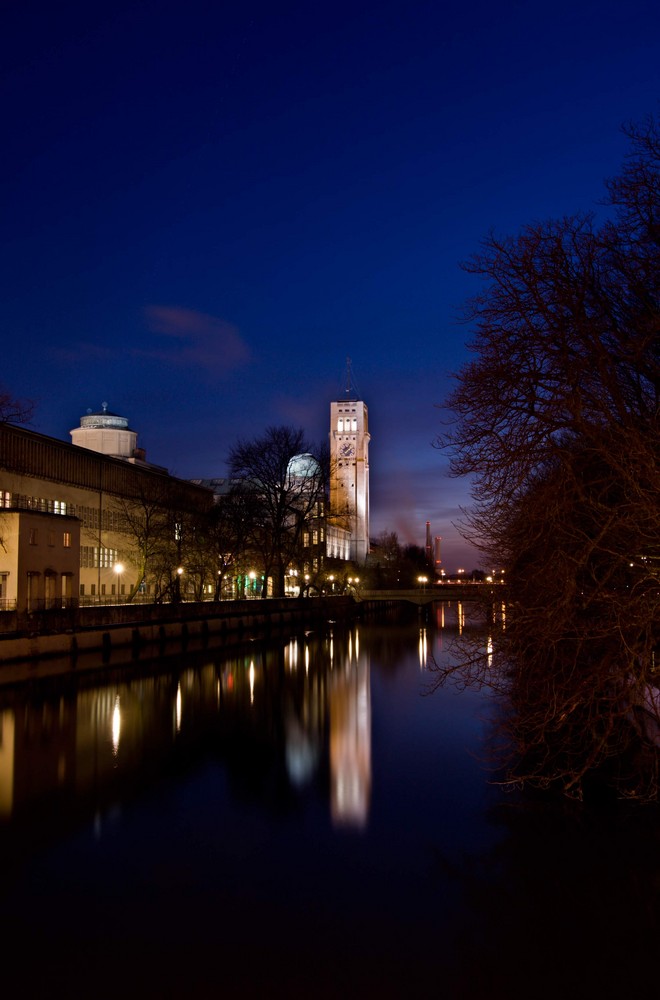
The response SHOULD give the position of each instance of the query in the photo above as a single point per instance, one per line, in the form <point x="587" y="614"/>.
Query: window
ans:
<point x="103" y="588"/>
<point x="92" y="590"/>
<point x="66" y="539"/>
<point x="340" y="425"/>
<point x="34" y="536"/>
<point x="82" y="589"/>
<point x="51" y="537"/>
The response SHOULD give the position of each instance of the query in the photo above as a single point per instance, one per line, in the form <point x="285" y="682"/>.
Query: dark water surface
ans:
<point x="302" y="819"/>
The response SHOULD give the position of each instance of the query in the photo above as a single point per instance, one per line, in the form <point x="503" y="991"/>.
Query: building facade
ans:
<point x="50" y="490"/>
<point x="349" y="472"/>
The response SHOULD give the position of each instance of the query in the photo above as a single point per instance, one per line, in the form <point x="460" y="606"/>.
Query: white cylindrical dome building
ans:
<point x="107" y="433"/>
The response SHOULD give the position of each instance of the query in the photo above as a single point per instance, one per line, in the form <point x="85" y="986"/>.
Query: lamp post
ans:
<point x="179" y="574"/>
<point x="119" y="569"/>
<point x="422" y="580"/>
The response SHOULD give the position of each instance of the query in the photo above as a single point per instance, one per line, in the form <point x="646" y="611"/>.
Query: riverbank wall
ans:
<point x="137" y="628"/>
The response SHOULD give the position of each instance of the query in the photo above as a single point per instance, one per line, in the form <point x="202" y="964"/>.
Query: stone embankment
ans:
<point x="101" y="629"/>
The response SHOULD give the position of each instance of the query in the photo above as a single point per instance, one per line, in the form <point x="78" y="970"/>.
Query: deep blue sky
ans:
<point x="206" y="207"/>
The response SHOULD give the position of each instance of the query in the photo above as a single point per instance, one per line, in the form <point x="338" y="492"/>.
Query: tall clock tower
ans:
<point x="349" y="478"/>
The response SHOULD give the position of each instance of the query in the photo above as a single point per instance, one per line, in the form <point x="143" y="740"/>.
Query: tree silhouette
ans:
<point x="557" y="418"/>
<point x="282" y="479"/>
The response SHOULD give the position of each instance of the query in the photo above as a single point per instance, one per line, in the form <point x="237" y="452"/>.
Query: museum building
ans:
<point x="63" y="510"/>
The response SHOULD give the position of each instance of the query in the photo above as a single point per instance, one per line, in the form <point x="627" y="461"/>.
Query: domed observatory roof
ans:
<point x="104" y="418"/>
<point x="303" y="467"/>
<point x="107" y="433"/>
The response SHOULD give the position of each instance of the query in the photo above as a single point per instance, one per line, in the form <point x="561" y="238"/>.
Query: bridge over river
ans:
<point x="441" y="592"/>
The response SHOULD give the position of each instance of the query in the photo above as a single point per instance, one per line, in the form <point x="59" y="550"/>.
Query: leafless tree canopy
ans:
<point x="279" y="502"/>
<point x="557" y="419"/>
<point x="14" y="411"/>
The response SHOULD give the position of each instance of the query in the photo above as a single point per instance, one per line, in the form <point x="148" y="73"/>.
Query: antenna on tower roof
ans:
<point x="352" y="390"/>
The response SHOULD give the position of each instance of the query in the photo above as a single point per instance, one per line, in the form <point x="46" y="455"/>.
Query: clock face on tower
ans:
<point x="347" y="450"/>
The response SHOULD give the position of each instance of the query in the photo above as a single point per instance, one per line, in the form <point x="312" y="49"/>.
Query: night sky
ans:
<point x="207" y="207"/>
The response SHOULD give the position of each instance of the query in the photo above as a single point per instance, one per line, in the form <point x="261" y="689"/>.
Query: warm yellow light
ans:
<point x="116" y="726"/>
<point x="119" y="568"/>
<point x="180" y="570"/>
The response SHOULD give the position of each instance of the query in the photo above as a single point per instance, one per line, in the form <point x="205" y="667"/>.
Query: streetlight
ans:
<point x="179" y="574"/>
<point x="422" y="580"/>
<point x="332" y="582"/>
<point x="119" y="569"/>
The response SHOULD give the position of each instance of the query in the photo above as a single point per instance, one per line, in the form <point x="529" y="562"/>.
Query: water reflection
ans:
<point x="94" y="741"/>
<point x="154" y="824"/>
<point x="308" y="701"/>
<point x="350" y="739"/>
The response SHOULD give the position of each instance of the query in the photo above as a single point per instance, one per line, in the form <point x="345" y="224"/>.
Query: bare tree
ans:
<point x="557" y="419"/>
<point x="14" y="411"/>
<point x="159" y="525"/>
<point x="281" y="479"/>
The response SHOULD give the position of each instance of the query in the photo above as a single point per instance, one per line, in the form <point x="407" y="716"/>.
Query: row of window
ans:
<point x="346" y="425"/>
<point x="111" y="520"/>
<point x="51" y="537"/>
<point x="91" y="557"/>
<point x="317" y="535"/>
<point x="114" y="590"/>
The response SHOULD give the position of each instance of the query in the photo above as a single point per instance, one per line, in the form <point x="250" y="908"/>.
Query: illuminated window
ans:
<point x="66" y="539"/>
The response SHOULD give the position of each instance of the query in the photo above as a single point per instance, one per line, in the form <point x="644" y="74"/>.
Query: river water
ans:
<point x="305" y="818"/>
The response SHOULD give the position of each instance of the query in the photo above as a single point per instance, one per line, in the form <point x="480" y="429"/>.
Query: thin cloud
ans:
<point x="200" y="341"/>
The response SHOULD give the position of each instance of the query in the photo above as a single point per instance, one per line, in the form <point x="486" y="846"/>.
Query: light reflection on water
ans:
<point x="298" y="816"/>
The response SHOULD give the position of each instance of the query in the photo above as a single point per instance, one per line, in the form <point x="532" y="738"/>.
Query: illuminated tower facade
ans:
<point x="349" y="478"/>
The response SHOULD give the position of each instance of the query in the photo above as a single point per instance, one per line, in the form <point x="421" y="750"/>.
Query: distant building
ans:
<point x="437" y="557"/>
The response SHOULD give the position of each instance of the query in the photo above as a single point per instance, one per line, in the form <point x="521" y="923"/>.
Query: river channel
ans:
<point x="304" y="818"/>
